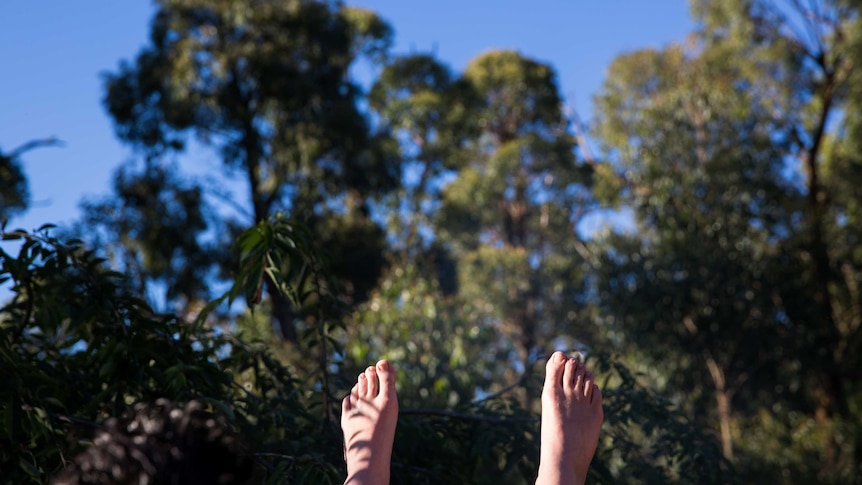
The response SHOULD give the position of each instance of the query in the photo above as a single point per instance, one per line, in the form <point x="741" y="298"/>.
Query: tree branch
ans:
<point x="464" y="417"/>
<point x="33" y="144"/>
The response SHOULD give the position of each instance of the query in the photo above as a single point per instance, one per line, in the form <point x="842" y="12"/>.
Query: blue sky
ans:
<point x="53" y="55"/>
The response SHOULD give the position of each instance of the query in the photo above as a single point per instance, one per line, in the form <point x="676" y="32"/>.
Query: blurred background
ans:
<point x="255" y="199"/>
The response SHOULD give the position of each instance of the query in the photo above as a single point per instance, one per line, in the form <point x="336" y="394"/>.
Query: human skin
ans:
<point x="369" y="415"/>
<point x="571" y="420"/>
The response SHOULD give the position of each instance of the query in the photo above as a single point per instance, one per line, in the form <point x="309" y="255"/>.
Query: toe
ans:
<point x="345" y="405"/>
<point x="554" y="370"/>
<point x="371" y="377"/>
<point x="363" y="385"/>
<point x="579" y="381"/>
<point x="387" y="378"/>
<point x="589" y="383"/>
<point x="571" y="367"/>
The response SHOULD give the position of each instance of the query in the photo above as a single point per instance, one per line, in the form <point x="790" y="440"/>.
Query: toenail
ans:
<point x="559" y="357"/>
<point x="362" y="376"/>
<point x="383" y="365"/>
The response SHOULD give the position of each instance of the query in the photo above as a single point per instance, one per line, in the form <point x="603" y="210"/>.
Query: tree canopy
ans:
<point x="434" y="218"/>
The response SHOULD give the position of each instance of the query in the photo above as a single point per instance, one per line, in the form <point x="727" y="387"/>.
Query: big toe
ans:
<point x="554" y="370"/>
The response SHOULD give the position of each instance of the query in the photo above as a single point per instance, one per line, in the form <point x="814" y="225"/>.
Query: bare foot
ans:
<point x="369" y="415"/>
<point x="571" y="419"/>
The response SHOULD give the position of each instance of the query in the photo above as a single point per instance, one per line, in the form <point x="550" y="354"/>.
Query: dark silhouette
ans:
<point x="162" y="444"/>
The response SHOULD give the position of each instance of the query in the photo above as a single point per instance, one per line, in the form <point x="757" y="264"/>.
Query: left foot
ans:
<point x="369" y="415"/>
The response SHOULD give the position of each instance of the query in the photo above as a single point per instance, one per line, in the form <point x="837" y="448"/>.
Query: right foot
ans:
<point x="571" y="420"/>
<point x="369" y="415"/>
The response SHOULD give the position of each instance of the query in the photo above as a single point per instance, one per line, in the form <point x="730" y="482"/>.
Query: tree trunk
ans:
<point x="282" y="312"/>
<point x="830" y="386"/>
<point x="282" y="308"/>
<point x="527" y="340"/>
<point x="722" y="393"/>
<point x="722" y="401"/>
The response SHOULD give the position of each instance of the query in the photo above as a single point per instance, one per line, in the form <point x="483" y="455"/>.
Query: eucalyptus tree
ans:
<point x="264" y="88"/>
<point x="508" y="217"/>
<point x="429" y="111"/>
<point x="152" y="229"/>
<point x="737" y="154"/>
<point x="805" y="57"/>
<point x="700" y="167"/>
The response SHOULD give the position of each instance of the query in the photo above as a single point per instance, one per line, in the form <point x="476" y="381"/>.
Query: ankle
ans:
<point x="559" y="474"/>
<point x="367" y="476"/>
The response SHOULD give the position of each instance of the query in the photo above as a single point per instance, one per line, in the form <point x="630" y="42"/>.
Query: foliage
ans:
<point x="78" y="357"/>
<point x="152" y="231"/>
<point x="460" y="420"/>
<point x="739" y="274"/>
<point x="14" y="192"/>
<point x="437" y="222"/>
<point x="263" y="86"/>
<point x="423" y="105"/>
<point x="508" y="216"/>
<point x="78" y="347"/>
